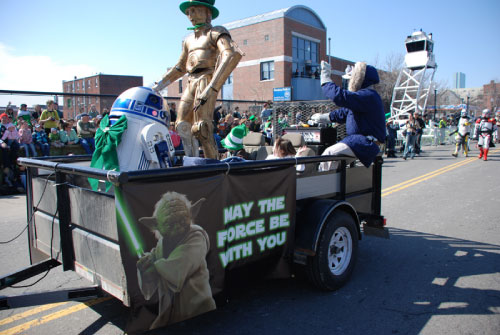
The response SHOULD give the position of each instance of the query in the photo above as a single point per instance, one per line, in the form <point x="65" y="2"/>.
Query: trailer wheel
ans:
<point x="336" y="254"/>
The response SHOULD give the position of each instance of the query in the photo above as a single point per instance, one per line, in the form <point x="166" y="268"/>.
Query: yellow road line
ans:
<point x="417" y="180"/>
<point x="427" y="174"/>
<point x="50" y="317"/>
<point x="31" y="312"/>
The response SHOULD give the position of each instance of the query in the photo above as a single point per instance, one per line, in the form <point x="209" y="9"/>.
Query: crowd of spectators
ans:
<point x="41" y="133"/>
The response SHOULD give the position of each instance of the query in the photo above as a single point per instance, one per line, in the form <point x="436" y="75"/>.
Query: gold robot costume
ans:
<point x="208" y="57"/>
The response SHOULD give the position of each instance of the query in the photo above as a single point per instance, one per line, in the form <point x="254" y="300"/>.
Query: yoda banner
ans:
<point x="182" y="241"/>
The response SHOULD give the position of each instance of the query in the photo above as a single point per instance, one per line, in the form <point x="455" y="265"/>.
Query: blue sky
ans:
<point x="43" y="43"/>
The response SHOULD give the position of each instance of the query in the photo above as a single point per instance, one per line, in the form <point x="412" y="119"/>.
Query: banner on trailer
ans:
<point x="181" y="240"/>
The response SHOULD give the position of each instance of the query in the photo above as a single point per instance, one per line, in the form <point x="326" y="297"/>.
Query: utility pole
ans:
<point x="435" y="103"/>
<point x="330" y="50"/>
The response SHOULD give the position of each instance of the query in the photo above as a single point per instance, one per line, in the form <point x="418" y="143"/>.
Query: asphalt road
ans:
<point x="439" y="273"/>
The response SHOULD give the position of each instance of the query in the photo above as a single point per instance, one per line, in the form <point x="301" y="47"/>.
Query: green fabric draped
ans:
<point x="107" y="139"/>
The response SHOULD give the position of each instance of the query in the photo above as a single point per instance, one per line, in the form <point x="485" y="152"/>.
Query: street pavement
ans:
<point x="439" y="273"/>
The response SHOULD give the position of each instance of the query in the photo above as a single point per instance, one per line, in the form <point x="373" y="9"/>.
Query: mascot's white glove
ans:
<point x="321" y="118"/>
<point x="326" y="73"/>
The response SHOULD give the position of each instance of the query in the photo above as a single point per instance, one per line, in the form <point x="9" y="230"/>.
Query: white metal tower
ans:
<point x="415" y="79"/>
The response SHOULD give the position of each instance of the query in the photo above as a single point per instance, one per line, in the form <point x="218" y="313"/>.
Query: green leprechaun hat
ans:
<point x="234" y="141"/>
<point x="207" y="3"/>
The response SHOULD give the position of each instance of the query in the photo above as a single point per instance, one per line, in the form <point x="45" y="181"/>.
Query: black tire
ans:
<point x="336" y="254"/>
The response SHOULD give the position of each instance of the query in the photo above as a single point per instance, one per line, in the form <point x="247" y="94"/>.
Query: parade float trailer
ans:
<point x="72" y="225"/>
<point x="258" y="218"/>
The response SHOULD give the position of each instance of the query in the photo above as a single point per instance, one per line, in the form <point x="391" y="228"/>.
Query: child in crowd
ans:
<point x="41" y="140"/>
<point x="11" y="135"/>
<point x="55" y="138"/>
<point x="26" y="140"/>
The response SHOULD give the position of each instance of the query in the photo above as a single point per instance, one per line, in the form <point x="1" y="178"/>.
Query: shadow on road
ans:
<point x="398" y="285"/>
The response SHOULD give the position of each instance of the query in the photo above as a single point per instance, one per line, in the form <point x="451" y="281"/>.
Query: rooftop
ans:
<point x="299" y="13"/>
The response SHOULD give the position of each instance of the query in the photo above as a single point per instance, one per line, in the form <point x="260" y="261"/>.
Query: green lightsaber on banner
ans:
<point x="127" y="225"/>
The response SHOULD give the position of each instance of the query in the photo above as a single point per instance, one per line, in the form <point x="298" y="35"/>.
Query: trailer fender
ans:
<point x="311" y="220"/>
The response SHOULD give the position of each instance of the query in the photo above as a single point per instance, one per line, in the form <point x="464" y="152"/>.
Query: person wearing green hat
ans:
<point x="234" y="140"/>
<point x="209" y="55"/>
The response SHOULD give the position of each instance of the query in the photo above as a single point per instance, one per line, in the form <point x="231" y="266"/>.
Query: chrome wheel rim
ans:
<point x="339" y="251"/>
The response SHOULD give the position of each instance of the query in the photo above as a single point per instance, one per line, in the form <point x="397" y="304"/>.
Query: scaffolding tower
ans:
<point x="415" y="79"/>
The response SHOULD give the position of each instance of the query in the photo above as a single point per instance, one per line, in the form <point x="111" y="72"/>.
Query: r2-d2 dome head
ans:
<point x="146" y="142"/>
<point x="141" y="103"/>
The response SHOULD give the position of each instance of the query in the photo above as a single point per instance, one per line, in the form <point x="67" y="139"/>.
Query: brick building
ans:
<point x="283" y="48"/>
<point x="99" y="84"/>
<point x="491" y="96"/>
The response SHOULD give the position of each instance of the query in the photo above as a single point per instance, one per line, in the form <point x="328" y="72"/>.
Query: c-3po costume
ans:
<point x="208" y="57"/>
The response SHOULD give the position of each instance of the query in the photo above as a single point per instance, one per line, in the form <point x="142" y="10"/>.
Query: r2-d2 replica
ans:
<point x="146" y="143"/>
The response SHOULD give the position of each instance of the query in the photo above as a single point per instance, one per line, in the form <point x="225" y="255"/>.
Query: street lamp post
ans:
<point x="468" y="105"/>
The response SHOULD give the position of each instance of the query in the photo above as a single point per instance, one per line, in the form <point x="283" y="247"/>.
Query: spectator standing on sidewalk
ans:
<point x="411" y="136"/>
<point x="420" y="132"/>
<point x="49" y="118"/>
<point x="267" y="111"/>
<point x="392" y="128"/>
<point x="442" y="129"/>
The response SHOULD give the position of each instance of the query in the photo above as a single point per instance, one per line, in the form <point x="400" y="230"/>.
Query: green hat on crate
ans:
<point x="252" y="117"/>
<point x="234" y="141"/>
<point x="207" y="3"/>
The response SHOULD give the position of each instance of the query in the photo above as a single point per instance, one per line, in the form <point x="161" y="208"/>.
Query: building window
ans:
<point x="229" y="79"/>
<point x="266" y="37"/>
<point x="305" y="55"/>
<point x="267" y="70"/>
<point x="77" y="85"/>
<point x="245" y="42"/>
<point x="96" y="82"/>
<point x="180" y="86"/>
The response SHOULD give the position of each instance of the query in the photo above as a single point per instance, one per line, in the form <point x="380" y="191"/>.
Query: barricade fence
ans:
<point x="299" y="115"/>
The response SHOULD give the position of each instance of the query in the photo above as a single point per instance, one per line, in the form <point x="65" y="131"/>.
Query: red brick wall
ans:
<point x="106" y="84"/>
<point x="491" y="91"/>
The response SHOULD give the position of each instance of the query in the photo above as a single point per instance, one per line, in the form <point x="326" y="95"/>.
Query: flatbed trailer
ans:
<point x="70" y="224"/>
